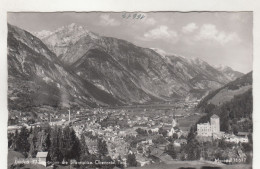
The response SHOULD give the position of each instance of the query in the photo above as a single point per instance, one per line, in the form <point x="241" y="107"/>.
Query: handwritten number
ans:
<point x="134" y="16"/>
<point x="138" y="16"/>
<point x="124" y="15"/>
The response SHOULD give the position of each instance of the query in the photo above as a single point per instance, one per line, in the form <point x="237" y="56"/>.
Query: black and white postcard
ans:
<point x="130" y="89"/>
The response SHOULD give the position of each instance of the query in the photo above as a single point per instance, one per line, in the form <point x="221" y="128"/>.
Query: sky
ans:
<point x="219" y="38"/>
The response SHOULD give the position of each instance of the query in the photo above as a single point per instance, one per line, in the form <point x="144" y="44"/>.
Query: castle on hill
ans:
<point x="209" y="129"/>
<point x="212" y="129"/>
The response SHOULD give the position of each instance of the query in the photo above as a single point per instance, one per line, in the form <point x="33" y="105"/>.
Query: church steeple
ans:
<point x="174" y="122"/>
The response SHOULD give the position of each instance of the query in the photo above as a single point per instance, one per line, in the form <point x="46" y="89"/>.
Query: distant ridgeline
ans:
<point x="238" y="86"/>
<point x="236" y="111"/>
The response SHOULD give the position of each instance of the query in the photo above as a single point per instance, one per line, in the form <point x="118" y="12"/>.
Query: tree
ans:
<point x="150" y="131"/>
<point x="163" y="132"/>
<point x="84" y="148"/>
<point x="10" y="139"/>
<point x="15" y="140"/>
<point x="141" y="132"/>
<point x="75" y="147"/>
<point x="22" y="143"/>
<point x="175" y="136"/>
<point x="131" y="160"/>
<point x="191" y="134"/>
<point x="47" y="142"/>
<point x="171" y="151"/>
<point x="55" y="148"/>
<point x="65" y="143"/>
<point x="32" y="140"/>
<point x="193" y="150"/>
<point x="102" y="147"/>
<point x="140" y="149"/>
<point x="159" y="140"/>
<point x="235" y="128"/>
<point x="31" y="121"/>
<point x="247" y="147"/>
<point x="31" y="130"/>
<point x="119" y="162"/>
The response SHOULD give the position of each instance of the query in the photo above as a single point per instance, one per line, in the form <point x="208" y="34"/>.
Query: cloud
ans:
<point x="149" y="21"/>
<point x="210" y="32"/>
<point x="106" y="20"/>
<point x="161" y="32"/>
<point x="189" y="28"/>
<point x="144" y="23"/>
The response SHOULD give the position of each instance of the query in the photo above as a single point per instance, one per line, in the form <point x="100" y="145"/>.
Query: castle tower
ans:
<point x="215" y="125"/>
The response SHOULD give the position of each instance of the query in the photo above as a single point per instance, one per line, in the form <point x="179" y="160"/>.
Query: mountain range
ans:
<point x="73" y="65"/>
<point x="37" y="77"/>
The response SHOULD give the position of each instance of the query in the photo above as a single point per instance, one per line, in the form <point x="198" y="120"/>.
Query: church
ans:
<point x="209" y="129"/>
<point x="174" y="124"/>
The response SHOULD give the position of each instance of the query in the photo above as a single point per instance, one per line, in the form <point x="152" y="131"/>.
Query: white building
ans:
<point x="41" y="158"/>
<point x="209" y="129"/>
<point x="204" y="129"/>
<point x="174" y="124"/>
<point x="236" y="139"/>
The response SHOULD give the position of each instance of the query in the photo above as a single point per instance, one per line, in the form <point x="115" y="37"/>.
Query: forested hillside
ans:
<point x="235" y="115"/>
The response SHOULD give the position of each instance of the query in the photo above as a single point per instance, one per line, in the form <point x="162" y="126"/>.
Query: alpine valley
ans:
<point x="74" y="66"/>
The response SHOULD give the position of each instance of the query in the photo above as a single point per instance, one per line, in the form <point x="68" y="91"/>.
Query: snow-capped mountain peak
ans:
<point x="159" y="51"/>
<point x="221" y="67"/>
<point x="42" y="34"/>
<point x="228" y="71"/>
<point x="60" y="39"/>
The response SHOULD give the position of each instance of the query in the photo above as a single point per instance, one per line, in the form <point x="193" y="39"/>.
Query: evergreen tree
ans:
<point x="191" y="134"/>
<point x="31" y="130"/>
<point x="22" y="143"/>
<point x="33" y="149"/>
<point x="140" y="149"/>
<point x="10" y="139"/>
<point x="15" y="140"/>
<point x="131" y="160"/>
<point x="171" y="151"/>
<point x="47" y="142"/>
<point x="75" y="147"/>
<point x="55" y="149"/>
<point x="193" y="150"/>
<point x="65" y="143"/>
<point x="84" y="148"/>
<point x="102" y="147"/>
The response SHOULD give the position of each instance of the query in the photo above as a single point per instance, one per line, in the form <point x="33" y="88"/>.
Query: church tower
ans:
<point x="215" y="125"/>
<point x="174" y="123"/>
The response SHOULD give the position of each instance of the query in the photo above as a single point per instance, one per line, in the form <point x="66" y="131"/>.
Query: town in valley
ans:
<point x="108" y="91"/>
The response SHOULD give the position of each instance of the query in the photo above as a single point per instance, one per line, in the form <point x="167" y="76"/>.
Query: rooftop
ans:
<point x="42" y="154"/>
<point x="214" y="116"/>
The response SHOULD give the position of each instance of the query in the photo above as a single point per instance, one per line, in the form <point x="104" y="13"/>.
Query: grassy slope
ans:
<point x="233" y="88"/>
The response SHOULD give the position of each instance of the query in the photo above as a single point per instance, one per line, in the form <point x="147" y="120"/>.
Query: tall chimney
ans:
<point x="69" y="114"/>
